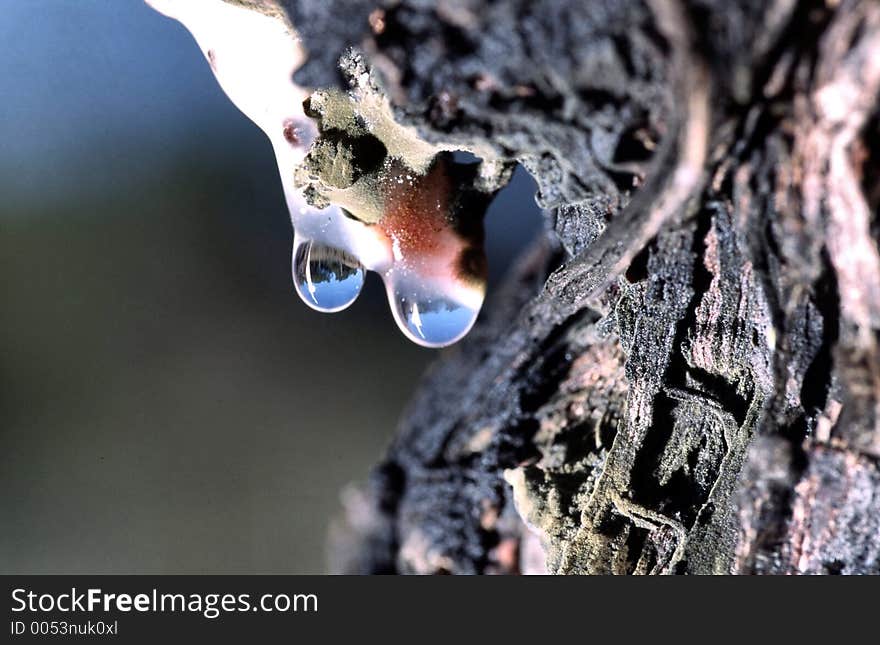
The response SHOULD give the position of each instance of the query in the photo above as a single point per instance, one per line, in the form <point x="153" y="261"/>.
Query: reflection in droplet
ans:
<point x="431" y="320"/>
<point x="326" y="279"/>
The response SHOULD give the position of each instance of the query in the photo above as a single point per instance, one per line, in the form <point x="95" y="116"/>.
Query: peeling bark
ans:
<point x="684" y="377"/>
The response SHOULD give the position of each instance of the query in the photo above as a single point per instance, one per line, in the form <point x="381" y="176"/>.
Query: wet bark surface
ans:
<point x="684" y="375"/>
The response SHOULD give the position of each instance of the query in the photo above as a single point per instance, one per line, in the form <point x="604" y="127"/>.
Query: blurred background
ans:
<point x="168" y="404"/>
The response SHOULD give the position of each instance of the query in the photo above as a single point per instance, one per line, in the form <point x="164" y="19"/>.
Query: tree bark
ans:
<point x="683" y="376"/>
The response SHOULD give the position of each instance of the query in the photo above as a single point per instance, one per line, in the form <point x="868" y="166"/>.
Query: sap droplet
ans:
<point x="326" y="278"/>
<point x="429" y="318"/>
<point x="378" y="198"/>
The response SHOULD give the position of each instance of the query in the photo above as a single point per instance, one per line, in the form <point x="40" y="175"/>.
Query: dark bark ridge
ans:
<point x="684" y="376"/>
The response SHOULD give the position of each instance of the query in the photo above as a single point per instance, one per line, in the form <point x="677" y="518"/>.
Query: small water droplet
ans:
<point x="428" y="318"/>
<point x="326" y="278"/>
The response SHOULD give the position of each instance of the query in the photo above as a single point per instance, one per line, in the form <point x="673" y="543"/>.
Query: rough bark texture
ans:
<point x="684" y="376"/>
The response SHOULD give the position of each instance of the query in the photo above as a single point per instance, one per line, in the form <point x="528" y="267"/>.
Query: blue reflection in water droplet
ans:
<point x="434" y="322"/>
<point x="326" y="278"/>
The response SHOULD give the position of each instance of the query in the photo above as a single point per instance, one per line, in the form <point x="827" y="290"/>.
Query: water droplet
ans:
<point x="428" y="317"/>
<point x="326" y="278"/>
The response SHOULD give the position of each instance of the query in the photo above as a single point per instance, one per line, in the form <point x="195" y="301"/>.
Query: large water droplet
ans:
<point x="429" y="318"/>
<point x="326" y="278"/>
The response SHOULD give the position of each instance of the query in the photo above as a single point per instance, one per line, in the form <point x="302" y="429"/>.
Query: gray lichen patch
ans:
<point x="362" y="149"/>
<point x="576" y="429"/>
<point x="334" y="164"/>
<point x="697" y="442"/>
<point x="643" y="443"/>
